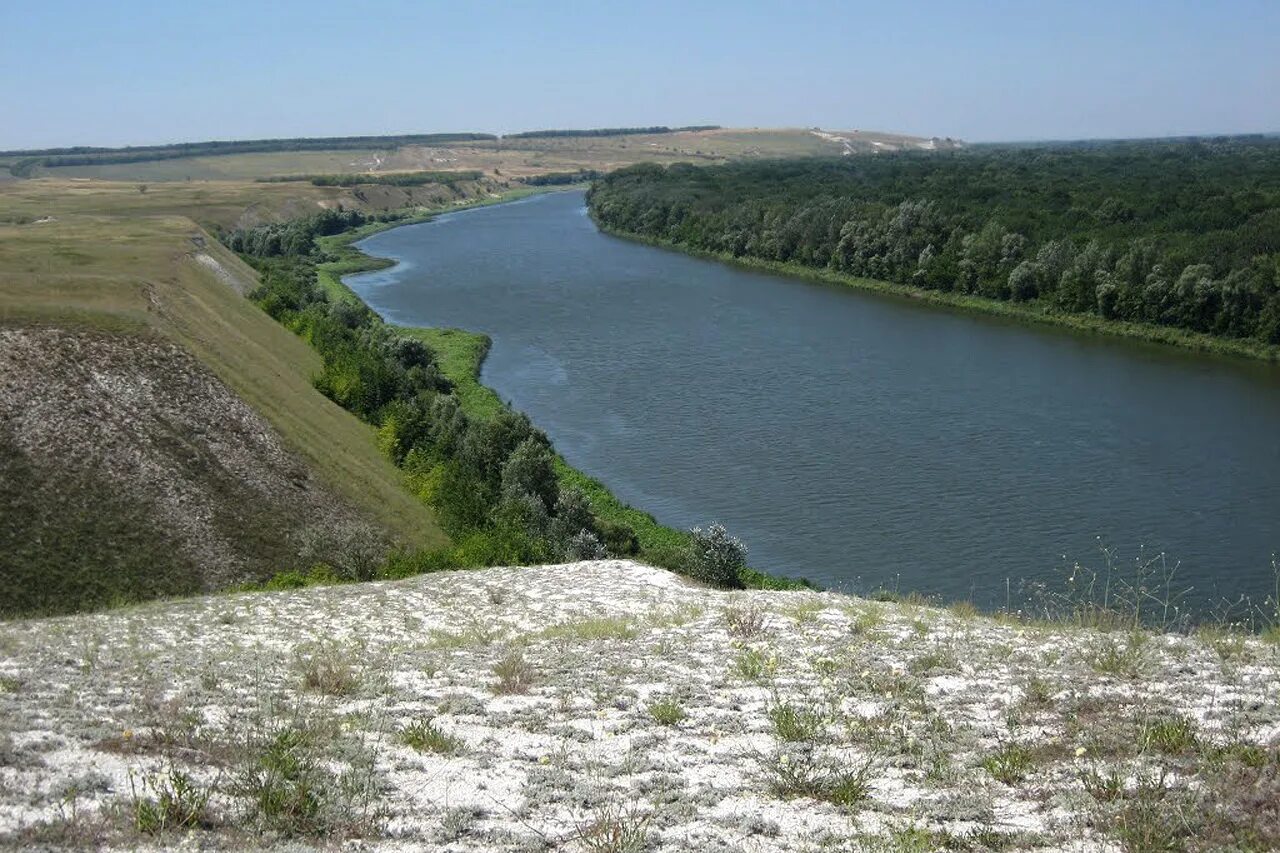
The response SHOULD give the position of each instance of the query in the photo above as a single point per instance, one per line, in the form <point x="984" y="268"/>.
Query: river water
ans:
<point x="858" y="440"/>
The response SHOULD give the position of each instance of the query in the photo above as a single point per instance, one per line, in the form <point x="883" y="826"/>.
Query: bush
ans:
<point x="619" y="538"/>
<point x="585" y="546"/>
<point x="715" y="557"/>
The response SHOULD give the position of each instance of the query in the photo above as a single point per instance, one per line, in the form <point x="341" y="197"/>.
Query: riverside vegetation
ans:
<point x="493" y="479"/>
<point x="1175" y="241"/>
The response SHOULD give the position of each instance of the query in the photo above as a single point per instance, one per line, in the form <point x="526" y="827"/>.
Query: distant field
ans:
<point x="228" y="167"/>
<point x="506" y="157"/>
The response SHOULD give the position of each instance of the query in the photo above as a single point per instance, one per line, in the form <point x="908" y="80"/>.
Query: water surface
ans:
<point x="850" y="438"/>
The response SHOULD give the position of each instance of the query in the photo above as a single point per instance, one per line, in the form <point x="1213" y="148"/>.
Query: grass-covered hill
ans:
<point x="609" y="706"/>
<point x="160" y="434"/>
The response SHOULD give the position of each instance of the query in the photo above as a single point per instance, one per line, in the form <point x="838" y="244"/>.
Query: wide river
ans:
<point x="857" y="440"/>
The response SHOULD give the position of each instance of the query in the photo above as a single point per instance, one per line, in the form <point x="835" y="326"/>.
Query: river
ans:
<point x="858" y="440"/>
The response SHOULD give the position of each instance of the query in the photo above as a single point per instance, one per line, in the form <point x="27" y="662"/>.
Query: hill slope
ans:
<point x="147" y="297"/>
<point x="612" y="706"/>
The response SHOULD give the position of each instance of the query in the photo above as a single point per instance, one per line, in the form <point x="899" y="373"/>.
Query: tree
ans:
<point x="530" y="470"/>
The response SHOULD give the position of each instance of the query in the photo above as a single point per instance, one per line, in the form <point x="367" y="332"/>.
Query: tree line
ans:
<point x="551" y="179"/>
<point x="394" y="179"/>
<point x="1182" y="233"/>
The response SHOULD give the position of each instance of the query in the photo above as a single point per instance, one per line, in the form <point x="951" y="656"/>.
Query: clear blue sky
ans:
<point x="141" y="72"/>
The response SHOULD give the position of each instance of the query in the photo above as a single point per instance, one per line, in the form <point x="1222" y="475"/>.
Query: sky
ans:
<point x="132" y="72"/>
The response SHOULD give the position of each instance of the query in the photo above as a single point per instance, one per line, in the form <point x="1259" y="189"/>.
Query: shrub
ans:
<point x="715" y="557"/>
<point x="619" y="538"/>
<point x="667" y="712"/>
<point x="585" y="546"/>
<point x="515" y="674"/>
<point x="355" y="551"/>
<point x="746" y="621"/>
<point x="530" y="470"/>
<point x="168" y="801"/>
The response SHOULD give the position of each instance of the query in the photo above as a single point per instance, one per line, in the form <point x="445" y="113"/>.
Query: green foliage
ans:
<point x="551" y="179"/>
<point x="715" y="557"/>
<point x="1010" y="763"/>
<point x="1180" y="234"/>
<point x="291" y="788"/>
<point x="796" y="723"/>
<point x="667" y="712"/>
<point x="425" y="736"/>
<point x="168" y="801"/>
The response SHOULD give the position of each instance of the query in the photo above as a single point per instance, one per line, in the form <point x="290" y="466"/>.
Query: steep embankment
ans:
<point x="128" y="470"/>
<point x="130" y="311"/>
<point x="612" y="706"/>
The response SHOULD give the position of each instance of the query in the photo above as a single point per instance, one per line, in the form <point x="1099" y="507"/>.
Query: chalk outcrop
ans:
<point x="614" y="706"/>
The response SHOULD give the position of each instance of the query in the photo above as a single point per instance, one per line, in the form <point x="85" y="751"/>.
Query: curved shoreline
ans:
<point x="461" y="354"/>
<point x="1084" y="324"/>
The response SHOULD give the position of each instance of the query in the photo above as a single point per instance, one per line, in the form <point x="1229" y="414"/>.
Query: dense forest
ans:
<point x="88" y="156"/>
<point x="552" y="179"/>
<point x="1183" y="234"/>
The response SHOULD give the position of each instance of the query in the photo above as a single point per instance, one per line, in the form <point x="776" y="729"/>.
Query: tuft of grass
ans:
<point x="425" y="736"/>
<point x="932" y="661"/>
<point x="804" y="772"/>
<point x="1121" y="658"/>
<point x="755" y="664"/>
<point x="1037" y="694"/>
<point x="293" y="784"/>
<point x="794" y="723"/>
<point x="668" y="711"/>
<point x="167" y="801"/>
<point x="615" y="829"/>
<point x="1174" y="735"/>
<point x="515" y="673"/>
<point x="1009" y="764"/>
<point x="600" y="628"/>
<point x="329" y="670"/>
<point x="1104" y="788"/>
<point x="748" y="620"/>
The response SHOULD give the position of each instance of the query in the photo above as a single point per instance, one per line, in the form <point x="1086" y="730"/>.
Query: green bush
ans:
<point x="715" y="557"/>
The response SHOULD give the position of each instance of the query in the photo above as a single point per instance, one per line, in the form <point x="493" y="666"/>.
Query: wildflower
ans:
<point x="1080" y="751"/>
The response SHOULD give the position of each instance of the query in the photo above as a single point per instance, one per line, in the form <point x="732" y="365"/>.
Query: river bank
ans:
<point x="1027" y="312"/>
<point x="461" y="356"/>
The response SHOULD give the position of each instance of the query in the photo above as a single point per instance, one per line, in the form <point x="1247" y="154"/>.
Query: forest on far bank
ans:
<point x="1177" y="233"/>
